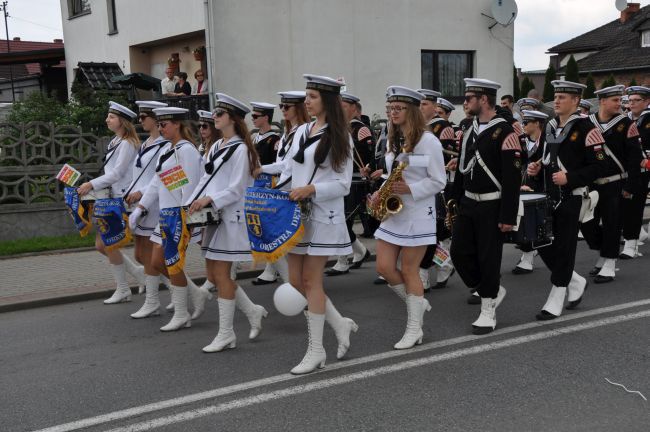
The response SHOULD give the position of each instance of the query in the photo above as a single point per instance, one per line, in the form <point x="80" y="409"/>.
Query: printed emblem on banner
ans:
<point x="102" y="225"/>
<point x="174" y="178"/>
<point x="254" y="224"/>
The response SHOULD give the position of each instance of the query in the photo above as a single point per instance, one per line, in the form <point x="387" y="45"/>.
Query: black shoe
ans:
<point x="625" y="257"/>
<point x="357" y="264"/>
<point x="443" y="284"/>
<point x="380" y="281"/>
<point x="594" y="271"/>
<point x="574" y="304"/>
<point x="473" y="299"/>
<point x="259" y="281"/>
<point x="520" y="271"/>
<point x="545" y="316"/>
<point x="334" y="272"/>
<point x="603" y="279"/>
<point x="481" y="330"/>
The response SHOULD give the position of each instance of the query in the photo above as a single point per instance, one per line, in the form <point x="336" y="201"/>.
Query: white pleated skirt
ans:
<point x="324" y="240"/>
<point x="402" y="230"/>
<point x="147" y="224"/>
<point x="227" y="241"/>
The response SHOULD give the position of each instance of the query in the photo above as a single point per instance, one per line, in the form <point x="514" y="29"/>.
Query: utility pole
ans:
<point x="11" y="71"/>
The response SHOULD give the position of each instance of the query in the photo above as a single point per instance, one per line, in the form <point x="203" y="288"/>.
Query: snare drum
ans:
<point x="536" y="224"/>
<point x="202" y="218"/>
<point x="94" y="195"/>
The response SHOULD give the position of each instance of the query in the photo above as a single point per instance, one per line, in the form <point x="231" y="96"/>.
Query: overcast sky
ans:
<point x="540" y="24"/>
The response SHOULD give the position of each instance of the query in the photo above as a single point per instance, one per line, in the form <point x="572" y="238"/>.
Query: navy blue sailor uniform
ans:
<point x="577" y="149"/>
<point x="621" y="173"/>
<point x="267" y="145"/>
<point x="486" y="189"/>
<point x="362" y="152"/>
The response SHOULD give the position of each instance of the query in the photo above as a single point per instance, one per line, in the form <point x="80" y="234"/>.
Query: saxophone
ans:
<point x="452" y="213"/>
<point x="384" y="203"/>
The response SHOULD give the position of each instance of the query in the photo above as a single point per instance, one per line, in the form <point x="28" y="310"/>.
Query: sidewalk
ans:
<point x="64" y="277"/>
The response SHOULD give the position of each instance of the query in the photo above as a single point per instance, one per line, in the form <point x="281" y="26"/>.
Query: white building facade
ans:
<point x="256" y="48"/>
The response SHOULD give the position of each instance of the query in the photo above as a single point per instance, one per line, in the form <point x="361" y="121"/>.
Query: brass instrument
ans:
<point x="452" y="213"/>
<point x="384" y="203"/>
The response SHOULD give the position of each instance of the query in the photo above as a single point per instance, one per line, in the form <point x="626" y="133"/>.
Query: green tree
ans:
<point x="515" y="85"/>
<point x="591" y="87"/>
<point x="572" y="73"/>
<point x="526" y="86"/>
<point x="548" y="87"/>
<point x="632" y="83"/>
<point x="610" y="81"/>
<point x="87" y="107"/>
<point x="38" y="107"/>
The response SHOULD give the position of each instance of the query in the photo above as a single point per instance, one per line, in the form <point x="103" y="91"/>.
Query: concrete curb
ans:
<point x="103" y="294"/>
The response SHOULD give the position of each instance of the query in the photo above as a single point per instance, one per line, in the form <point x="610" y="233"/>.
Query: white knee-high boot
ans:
<point x="151" y="306"/>
<point x="135" y="270"/>
<point x="413" y="333"/>
<point x="342" y="327"/>
<point x="122" y="291"/>
<point x="400" y="290"/>
<point x="226" y="336"/>
<point x="208" y="286"/>
<point x="282" y="267"/>
<point x="181" y="317"/>
<point x="315" y="356"/>
<point x="199" y="297"/>
<point x="253" y="312"/>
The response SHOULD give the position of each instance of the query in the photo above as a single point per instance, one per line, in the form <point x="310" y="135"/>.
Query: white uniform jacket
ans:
<point x="120" y="155"/>
<point x="147" y="157"/>
<point x="228" y="186"/>
<point x="331" y="186"/>
<point x="185" y="154"/>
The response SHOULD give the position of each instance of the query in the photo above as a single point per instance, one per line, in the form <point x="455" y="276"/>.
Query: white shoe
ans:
<point x="500" y="296"/>
<point x="137" y="271"/>
<point x="609" y="268"/>
<point x="315" y="356"/>
<point x="575" y="290"/>
<point x="151" y="306"/>
<point x="554" y="304"/>
<point x="122" y="292"/>
<point x="208" y="286"/>
<point x="226" y="336"/>
<point x="487" y="320"/>
<point x="253" y="312"/>
<point x="630" y="250"/>
<point x="358" y="251"/>
<point x="413" y="333"/>
<point x="643" y="234"/>
<point x="400" y="290"/>
<point x="342" y="328"/>
<point x="181" y="317"/>
<point x="527" y="260"/>
<point x="425" y="275"/>
<point x="198" y="297"/>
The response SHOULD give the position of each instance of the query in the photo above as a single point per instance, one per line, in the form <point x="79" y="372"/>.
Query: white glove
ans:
<point x="134" y="216"/>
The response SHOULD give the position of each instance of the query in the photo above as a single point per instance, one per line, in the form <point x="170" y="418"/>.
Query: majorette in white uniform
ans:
<point x="185" y="154"/>
<point x="144" y="169"/>
<point x="227" y="241"/>
<point x="325" y="230"/>
<point x="415" y="224"/>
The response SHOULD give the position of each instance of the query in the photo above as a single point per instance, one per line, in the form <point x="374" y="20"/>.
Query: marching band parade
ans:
<point x="433" y="195"/>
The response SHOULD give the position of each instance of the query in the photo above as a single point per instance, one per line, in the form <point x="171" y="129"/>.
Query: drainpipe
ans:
<point x="208" y="49"/>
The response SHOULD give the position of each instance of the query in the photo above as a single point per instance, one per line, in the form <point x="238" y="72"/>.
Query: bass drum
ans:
<point x="536" y="223"/>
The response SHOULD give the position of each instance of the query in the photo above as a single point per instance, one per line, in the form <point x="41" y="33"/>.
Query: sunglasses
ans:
<point x="162" y="125"/>
<point x="219" y="113"/>
<point x="470" y="97"/>
<point x="256" y="116"/>
<point x="204" y="126"/>
<point x="142" y="117"/>
<point x="285" y="107"/>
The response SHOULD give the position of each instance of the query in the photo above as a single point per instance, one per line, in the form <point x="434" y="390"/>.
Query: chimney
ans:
<point x="16" y="39"/>
<point x="630" y="10"/>
<point x="58" y="40"/>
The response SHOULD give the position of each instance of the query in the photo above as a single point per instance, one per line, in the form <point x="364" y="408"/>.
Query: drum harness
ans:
<point x="140" y="154"/>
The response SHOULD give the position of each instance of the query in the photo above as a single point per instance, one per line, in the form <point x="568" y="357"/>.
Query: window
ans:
<point x="78" y="7"/>
<point x="645" y="39"/>
<point x="444" y="71"/>
<point x="112" y="17"/>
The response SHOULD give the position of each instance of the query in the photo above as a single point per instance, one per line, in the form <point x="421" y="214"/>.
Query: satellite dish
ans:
<point x="621" y="5"/>
<point x="504" y="11"/>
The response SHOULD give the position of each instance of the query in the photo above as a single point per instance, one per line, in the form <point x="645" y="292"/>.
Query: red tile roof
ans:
<point x="31" y="68"/>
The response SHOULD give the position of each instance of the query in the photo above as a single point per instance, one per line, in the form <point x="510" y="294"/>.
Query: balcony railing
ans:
<point x="192" y="103"/>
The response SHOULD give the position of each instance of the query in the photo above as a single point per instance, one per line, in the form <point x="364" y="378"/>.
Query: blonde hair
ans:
<point x="302" y="117"/>
<point x="129" y="134"/>
<point x="186" y="132"/>
<point x="410" y="132"/>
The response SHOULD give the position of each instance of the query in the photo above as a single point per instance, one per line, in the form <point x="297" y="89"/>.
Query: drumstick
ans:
<point x="450" y="152"/>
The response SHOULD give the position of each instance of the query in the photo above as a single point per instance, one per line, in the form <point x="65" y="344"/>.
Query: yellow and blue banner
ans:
<point x="80" y="215"/>
<point x="265" y="181"/>
<point x="175" y="236"/>
<point x="112" y="222"/>
<point x="273" y="223"/>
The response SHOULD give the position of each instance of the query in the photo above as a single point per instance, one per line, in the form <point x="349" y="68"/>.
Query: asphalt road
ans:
<point x="87" y="366"/>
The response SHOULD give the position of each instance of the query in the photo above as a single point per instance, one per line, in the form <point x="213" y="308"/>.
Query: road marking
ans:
<point x="211" y="394"/>
<point x="371" y="373"/>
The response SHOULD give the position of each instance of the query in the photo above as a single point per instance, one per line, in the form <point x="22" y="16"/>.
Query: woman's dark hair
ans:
<point x="215" y="135"/>
<point x="302" y="117"/>
<point x="336" y="140"/>
<point x="242" y="130"/>
<point x="182" y="75"/>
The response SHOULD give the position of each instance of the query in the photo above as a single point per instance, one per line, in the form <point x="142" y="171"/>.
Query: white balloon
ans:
<point x="288" y="300"/>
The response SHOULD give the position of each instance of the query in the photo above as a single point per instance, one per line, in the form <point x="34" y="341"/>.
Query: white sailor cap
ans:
<point x="561" y="86"/>
<point x="146" y="107"/>
<point x="349" y="98"/>
<point x="480" y="85"/>
<point x="232" y="105"/>
<point x="205" y="116"/>
<point x="121" y="110"/>
<point x="323" y="83"/>
<point x="531" y="102"/>
<point x="617" y="90"/>
<point x="292" y="96"/>
<point x="584" y="103"/>
<point x="533" y="115"/>
<point x="446" y="105"/>
<point x="625" y="99"/>
<point x="638" y="90"/>
<point x="404" y="94"/>
<point x="171" y="113"/>
<point x="431" y="95"/>
<point x="263" y="107"/>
